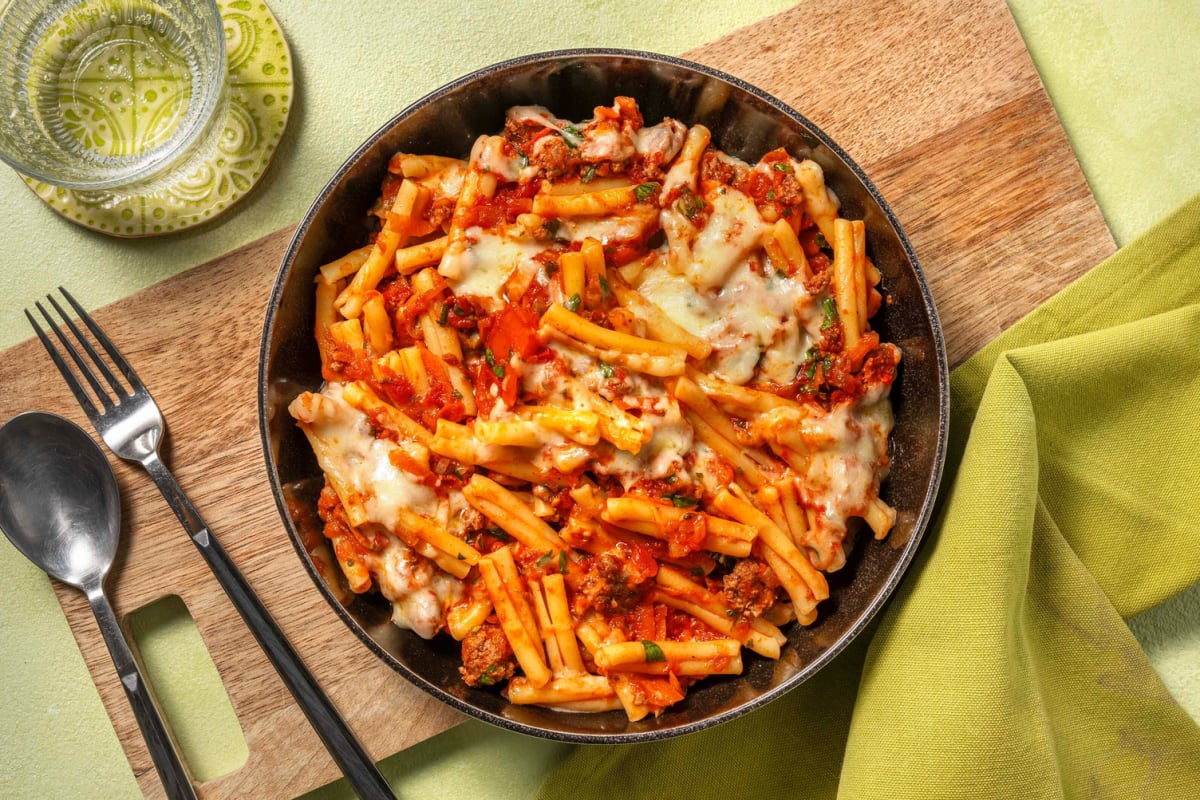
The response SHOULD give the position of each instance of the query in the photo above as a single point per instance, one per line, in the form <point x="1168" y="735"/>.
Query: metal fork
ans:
<point x="130" y="423"/>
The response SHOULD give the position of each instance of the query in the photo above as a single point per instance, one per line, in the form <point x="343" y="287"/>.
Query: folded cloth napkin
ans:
<point x="1003" y="667"/>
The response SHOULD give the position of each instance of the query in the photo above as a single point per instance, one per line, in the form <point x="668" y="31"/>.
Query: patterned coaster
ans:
<point x="260" y="97"/>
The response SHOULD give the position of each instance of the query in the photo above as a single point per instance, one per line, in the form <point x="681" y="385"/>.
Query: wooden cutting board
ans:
<point x="938" y="101"/>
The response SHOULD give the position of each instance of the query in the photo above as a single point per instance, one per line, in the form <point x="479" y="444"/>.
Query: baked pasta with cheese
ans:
<point x="602" y="402"/>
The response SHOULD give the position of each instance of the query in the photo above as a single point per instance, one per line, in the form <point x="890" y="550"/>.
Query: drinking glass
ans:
<point x="109" y="94"/>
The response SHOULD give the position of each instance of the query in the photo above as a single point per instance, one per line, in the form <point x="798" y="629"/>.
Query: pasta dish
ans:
<point x="601" y="402"/>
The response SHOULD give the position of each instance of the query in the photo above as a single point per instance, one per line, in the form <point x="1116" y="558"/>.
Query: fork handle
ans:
<point x="360" y="771"/>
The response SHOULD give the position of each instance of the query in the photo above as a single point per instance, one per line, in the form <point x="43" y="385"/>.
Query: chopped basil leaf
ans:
<point x="489" y="357"/>
<point x="831" y="313"/>
<point x="572" y="136"/>
<point x="523" y="158"/>
<point x="444" y="317"/>
<point x="820" y="241"/>
<point x="644" y="191"/>
<point x="771" y="194"/>
<point x="562" y="561"/>
<point x="782" y="167"/>
<point x="487" y="677"/>
<point x="499" y="534"/>
<point x="690" y="204"/>
<point x="653" y="652"/>
<point x="681" y="501"/>
<point x="573" y="302"/>
<point x="461" y="557"/>
<point x="498" y="370"/>
<point x="605" y="290"/>
<point x="588" y="174"/>
<point x="606" y="370"/>
<point x="545" y="559"/>
<point x="552" y="227"/>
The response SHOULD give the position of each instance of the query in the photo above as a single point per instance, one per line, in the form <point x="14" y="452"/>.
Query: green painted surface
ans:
<point x="1123" y="78"/>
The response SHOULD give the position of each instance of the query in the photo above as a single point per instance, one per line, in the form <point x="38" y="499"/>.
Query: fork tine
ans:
<point x="101" y="394"/>
<point x="134" y="381"/>
<point x="89" y="407"/>
<point x="87" y="347"/>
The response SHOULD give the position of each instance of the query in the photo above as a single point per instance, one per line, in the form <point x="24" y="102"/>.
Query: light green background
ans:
<point x="1124" y="76"/>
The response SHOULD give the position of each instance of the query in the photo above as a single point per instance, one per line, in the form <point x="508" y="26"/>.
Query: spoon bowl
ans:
<point x="59" y="506"/>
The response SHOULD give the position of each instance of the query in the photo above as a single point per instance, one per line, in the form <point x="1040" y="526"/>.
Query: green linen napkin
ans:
<point x="1003" y="667"/>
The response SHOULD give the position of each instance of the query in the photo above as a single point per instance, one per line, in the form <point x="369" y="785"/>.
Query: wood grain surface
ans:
<point x="937" y="100"/>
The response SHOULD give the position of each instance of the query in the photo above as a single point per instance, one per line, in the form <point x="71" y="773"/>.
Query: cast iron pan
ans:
<point x="745" y="122"/>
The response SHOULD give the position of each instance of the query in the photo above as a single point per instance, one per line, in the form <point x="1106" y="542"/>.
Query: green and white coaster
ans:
<point x="259" y="101"/>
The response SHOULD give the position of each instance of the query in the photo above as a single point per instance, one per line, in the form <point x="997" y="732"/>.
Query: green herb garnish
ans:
<point x="490" y="358"/>
<point x="573" y="302"/>
<point x="644" y="191"/>
<point x="572" y="136"/>
<point x="690" y="204"/>
<point x="782" y="167"/>
<point x="681" y="500"/>
<point x="831" y="313"/>
<point x="606" y="370"/>
<point x="588" y="174"/>
<point x="653" y="652"/>
<point x="487" y="677"/>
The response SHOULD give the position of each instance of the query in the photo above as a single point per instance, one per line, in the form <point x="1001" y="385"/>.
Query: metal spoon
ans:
<point x="59" y="506"/>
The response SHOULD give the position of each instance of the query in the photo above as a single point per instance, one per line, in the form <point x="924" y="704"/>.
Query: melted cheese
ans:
<point x="606" y="143"/>
<point x="662" y="456"/>
<point x="489" y="259"/>
<point x="361" y="466"/>
<point x="627" y="227"/>
<point x="848" y="449"/>
<point x="488" y="155"/>
<point x="662" y="140"/>
<point x="734" y="230"/>
<point x="753" y="322"/>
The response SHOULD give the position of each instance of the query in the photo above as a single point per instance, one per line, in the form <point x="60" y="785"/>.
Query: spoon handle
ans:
<point x="162" y="748"/>
<point x="356" y="764"/>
